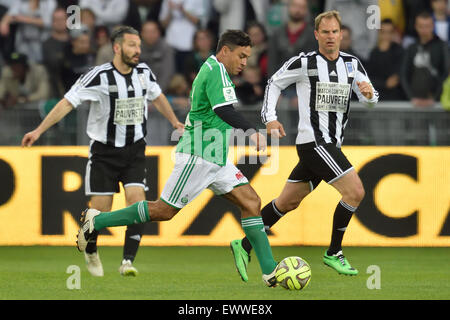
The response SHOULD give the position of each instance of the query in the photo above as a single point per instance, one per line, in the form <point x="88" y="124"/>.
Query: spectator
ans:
<point x="346" y="42"/>
<point x="180" y="18"/>
<point x="88" y="19"/>
<point x="296" y="36"/>
<point x="22" y="82"/>
<point x="276" y="15"/>
<point x="78" y="57"/>
<point x="236" y="14"/>
<point x="203" y="48"/>
<point x="412" y="9"/>
<point x="250" y="90"/>
<point x="441" y="20"/>
<point x="384" y="63"/>
<point x="394" y="10"/>
<point x="33" y="19"/>
<point x="426" y="64"/>
<point x="53" y="52"/>
<point x="103" y="43"/>
<point x="259" y="57"/>
<point x="157" y="53"/>
<point x="6" y="42"/>
<point x="178" y="93"/>
<point x="108" y="13"/>
<point x="353" y="15"/>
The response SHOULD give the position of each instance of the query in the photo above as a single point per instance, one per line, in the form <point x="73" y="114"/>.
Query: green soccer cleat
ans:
<point x="339" y="263"/>
<point x="241" y="258"/>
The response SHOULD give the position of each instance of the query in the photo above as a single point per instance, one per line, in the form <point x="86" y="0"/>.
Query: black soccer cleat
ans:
<point x="86" y="231"/>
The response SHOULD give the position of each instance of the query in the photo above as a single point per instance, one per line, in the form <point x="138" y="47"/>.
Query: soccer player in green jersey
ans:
<point x="201" y="157"/>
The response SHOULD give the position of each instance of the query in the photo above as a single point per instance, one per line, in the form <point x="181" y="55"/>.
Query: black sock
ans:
<point x="341" y="219"/>
<point x="270" y="215"/>
<point x="92" y="243"/>
<point x="133" y="237"/>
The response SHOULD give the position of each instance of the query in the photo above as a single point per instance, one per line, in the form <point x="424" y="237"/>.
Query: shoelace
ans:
<point x="93" y="259"/>
<point x="341" y="259"/>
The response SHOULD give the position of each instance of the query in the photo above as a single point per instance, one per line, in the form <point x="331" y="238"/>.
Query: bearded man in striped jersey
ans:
<point x="117" y="93"/>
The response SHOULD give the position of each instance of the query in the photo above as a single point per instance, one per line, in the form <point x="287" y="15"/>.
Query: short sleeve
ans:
<point x="84" y="89"/>
<point x="219" y="88"/>
<point x="291" y="72"/>
<point x="153" y="90"/>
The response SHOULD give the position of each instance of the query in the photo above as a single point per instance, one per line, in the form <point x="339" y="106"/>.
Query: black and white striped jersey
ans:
<point x="324" y="91"/>
<point x="118" y="103"/>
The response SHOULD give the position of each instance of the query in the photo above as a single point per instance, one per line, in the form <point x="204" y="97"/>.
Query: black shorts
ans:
<point x="326" y="162"/>
<point x="107" y="166"/>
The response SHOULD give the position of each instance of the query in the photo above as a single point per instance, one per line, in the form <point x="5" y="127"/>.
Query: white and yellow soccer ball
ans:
<point x="293" y="273"/>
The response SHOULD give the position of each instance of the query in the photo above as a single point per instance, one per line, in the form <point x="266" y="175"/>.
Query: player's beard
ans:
<point x="296" y="19"/>
<point x="128" y="60"/>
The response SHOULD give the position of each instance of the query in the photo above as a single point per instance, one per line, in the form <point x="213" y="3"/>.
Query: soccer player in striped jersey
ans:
<point x="201" y="157"/>
<point x="117" y="92"/>
<point x="324" y="82"/>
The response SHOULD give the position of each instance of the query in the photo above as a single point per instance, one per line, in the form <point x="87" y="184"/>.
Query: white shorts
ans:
<point x="191" y="175"/>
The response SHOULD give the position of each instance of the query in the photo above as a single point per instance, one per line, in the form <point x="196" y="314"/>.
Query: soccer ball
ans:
<point x="293" y="273"/>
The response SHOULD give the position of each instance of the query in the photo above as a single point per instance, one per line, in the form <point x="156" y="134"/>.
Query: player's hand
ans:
<point x="179" y="127"/>
<point x="259" y="140"/>
<point x="365" y="88"/>
<point x="275" y="129"/>
<point x="30" y="138"/>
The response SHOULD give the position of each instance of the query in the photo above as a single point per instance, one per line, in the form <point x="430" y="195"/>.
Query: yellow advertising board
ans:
<point x="407" y="200"/>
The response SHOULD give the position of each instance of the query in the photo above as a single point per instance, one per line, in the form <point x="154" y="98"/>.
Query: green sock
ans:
<point x="254" y="230"/>
<point x="134" y="214"/>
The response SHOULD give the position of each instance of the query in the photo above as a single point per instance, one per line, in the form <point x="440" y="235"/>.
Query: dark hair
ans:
<point x="425" y="15"/>
<point x="260" y="26"/>
<point x="205" y="31"/>
<point x="156" y="23"/>
<point x="233" y="39"/>
<point x="388" y="21"/>
<point x="345" y="27"/>
<point x="118" y="33"/>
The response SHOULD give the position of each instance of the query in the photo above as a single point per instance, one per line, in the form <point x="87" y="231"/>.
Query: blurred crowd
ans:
<point x="403" y="44"/>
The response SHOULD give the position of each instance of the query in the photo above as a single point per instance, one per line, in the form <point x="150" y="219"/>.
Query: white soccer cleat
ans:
<point x="93" y="264"/>
<point x="127" y="269"/>
<point x="86" y="230"/>
<point x="270" y="280"/>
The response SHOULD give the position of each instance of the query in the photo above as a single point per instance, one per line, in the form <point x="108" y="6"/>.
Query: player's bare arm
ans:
<point x="259" y="140"/>
<point x="163" y="106"/>
<point x="62" y="108"/>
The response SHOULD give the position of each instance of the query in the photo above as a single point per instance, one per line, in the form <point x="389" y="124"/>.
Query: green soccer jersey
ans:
<point x="206" y="135"/>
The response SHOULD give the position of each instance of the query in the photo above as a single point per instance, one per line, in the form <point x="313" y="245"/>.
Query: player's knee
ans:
<point x="356" y="195"/>
<point x="160" y="211"/>
<point x="289" y="205"/>
<point x="252" y="206"/>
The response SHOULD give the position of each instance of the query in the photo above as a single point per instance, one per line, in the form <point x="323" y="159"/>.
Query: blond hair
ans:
<point x="327" y="15"/>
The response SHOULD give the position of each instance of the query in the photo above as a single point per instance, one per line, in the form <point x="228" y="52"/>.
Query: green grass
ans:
<point x="184" y="273"/>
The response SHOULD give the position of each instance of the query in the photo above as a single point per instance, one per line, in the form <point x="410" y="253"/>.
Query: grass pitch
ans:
<point x="208" y="273"/>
